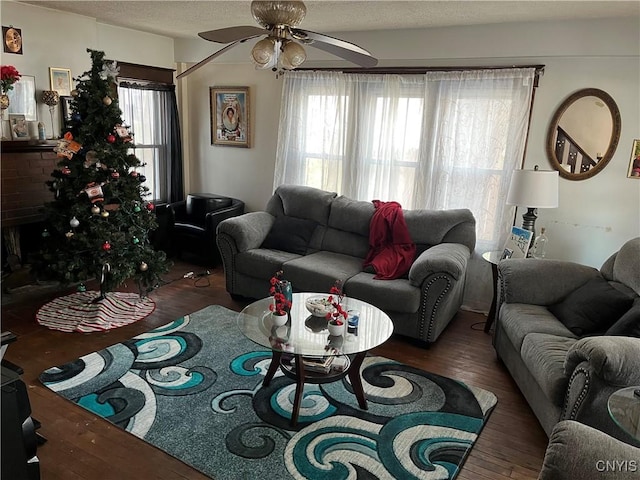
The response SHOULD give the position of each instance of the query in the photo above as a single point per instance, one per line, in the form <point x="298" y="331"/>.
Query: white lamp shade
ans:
<point x="534" y="189"/>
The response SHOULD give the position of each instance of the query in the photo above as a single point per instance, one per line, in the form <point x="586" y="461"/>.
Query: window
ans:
<point x="438" y="140"/>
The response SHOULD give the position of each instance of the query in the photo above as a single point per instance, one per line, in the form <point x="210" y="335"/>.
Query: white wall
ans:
<point x="595" y="216"/>
<point x="56" y="39"/>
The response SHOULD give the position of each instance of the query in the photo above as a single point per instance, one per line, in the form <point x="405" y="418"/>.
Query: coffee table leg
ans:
<point x="275" y="363"/>
<point x="299" y="390"/>
<point x="356" y="379"/>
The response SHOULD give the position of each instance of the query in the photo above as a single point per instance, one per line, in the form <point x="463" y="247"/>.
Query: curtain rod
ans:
<point x="421" y="70"/>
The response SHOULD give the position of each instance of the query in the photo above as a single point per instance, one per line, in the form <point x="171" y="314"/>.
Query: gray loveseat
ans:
<point x="569" y="374"/>
<point x="421" y="304"/>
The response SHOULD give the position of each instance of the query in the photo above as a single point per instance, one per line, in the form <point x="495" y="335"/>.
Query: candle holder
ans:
<point x="51" y="98"/>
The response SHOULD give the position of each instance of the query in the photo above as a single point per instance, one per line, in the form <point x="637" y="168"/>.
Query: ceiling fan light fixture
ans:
<point x="262" y="52"/>
<point x="293" y="55"/>
<point x="272" y="13"/>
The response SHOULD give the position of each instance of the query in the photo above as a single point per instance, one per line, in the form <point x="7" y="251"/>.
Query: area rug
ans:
<point x="193" y="388"/>
<point x="80" y="312"/>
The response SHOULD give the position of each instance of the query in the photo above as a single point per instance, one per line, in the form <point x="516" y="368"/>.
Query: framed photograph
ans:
<point x="230" y="116"/>
<point x="60" y="80"/>
<point x="22" y="98"/>
<point x="634" y="163"/>
<point x="65" y="108"/>
<point x="19" y="127"/>
<point x="12" y="39"/>
<point x="517" y="245"/>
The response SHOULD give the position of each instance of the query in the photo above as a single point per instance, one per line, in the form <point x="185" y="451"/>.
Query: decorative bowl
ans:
<point x="318" y="305"/>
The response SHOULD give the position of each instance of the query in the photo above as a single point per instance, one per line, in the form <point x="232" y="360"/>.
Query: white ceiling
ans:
<point x="184" y="19"/>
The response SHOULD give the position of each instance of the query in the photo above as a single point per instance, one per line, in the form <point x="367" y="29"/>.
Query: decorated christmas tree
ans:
<point x="98" y="224"/>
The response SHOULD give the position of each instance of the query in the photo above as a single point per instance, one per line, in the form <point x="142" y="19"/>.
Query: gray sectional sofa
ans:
<point x="317" y="237"/>
<point x="568" y="365"/>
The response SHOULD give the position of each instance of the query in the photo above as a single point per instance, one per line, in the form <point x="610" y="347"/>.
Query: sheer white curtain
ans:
<point x="440" y="140"/>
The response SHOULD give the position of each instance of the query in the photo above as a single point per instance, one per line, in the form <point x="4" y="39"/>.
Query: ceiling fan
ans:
<point x="282" y="48"/>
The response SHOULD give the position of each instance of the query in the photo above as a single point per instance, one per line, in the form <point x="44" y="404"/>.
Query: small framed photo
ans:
<point x="634" y="163"/>
<point x="65" y="107"/>
<point x="517" y="245"/>
<point x="60" y="80"/>
<point x="19" y="127"/>
<point x="230" y="124"/>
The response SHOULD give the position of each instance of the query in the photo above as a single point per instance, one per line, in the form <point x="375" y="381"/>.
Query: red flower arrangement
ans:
<point x="8" y="76"/>
<point x="336" y="299"/>
<point x="280" y="305"/>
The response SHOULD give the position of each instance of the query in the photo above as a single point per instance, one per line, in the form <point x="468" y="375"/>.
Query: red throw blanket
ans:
<point x="391" y="250"/>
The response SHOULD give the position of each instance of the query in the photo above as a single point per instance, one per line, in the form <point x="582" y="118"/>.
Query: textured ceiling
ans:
<point x="184" y="19"/>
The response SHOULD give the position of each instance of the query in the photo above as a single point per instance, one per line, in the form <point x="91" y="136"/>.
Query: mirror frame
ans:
<point x="613" y="141"/>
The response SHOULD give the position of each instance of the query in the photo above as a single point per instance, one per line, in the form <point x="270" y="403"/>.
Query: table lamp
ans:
<point x="533" y="189"/>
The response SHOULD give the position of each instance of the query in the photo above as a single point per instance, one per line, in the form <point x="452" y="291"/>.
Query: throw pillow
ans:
<point x="290" y="234"/>
<point x="629" y="324"/>
<point x="593" y="307"/>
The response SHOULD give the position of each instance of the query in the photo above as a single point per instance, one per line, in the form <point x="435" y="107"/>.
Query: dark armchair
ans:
<point x="195" y="222"/>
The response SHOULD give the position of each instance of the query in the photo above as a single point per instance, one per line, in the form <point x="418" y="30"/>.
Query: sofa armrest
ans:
<point x="540" y="282"/>
<point x="450" y="258"/>
<point x="246" y="231"/>
<point x="616" y="360"/>
<point x="579" y="451"/>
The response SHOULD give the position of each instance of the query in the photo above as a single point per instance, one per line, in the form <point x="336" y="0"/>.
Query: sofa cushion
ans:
<point x="301" y="202"/>
<point x="629" y="324"/>
<point x="544" y="356"/>
<point x="520" y="319"/>
<point x="593" y="307"/>
<point x="262" y="263"/>
<point x="317" y="272"/>
<point x="390" y="295"/>
<point x="351" y="215"/>
<point x="290" y="234"/>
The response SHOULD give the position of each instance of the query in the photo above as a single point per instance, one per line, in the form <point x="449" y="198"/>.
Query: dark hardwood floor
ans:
<point x="83" y="446"/>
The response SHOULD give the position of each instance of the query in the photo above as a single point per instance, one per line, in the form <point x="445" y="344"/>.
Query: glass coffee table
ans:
<point x="305" y="338"/>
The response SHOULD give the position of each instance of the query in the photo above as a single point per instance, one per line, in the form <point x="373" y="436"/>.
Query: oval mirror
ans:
<point x="583" y="134"/>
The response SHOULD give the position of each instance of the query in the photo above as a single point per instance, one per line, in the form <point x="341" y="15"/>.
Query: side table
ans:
<point x="493" y="258"/>
<point x="624" y="409"/>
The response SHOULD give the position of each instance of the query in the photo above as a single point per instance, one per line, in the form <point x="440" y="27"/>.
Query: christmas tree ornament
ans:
<point x="135" y="240"/>
<point x="82" y="287"/>
<point x="74" y="222"/>
<point x="95" y="210"/>
<point x="107" y="100"/>
<point x="111" y="138"/>
<point x="74" y="93"/>
<point x="76" y="117"/>
<point x="106" y="246"/>
<point x="123" y="132"/>
<point x="134" y="173"/>
<point x="143" y="267"/>
<point x="66" y="170"/>
<point x="67" y="146"/>
<point x="109" y="70"/>
<point x="45" y="233"/>
<point x="142" y="178"/>
<point x="90" y="158"/>
<point x="55" y="185"/>
<point x="115" y="175"/>
<point x="69" y="234"/>
<point x="136" y="208"/>
<point x="94" y="192"/>
<point x="150" y="207"/>
<point x="104" y="214"/>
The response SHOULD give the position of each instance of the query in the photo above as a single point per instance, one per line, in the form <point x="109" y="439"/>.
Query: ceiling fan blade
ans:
<point x="233" y="34"/>
<point x="335" y="46"/>
<point x="207" y="60"/>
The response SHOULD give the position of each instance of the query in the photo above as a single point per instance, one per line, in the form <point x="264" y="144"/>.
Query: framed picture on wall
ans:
<point x="22" y="98"/>
<point x="634" y="163"/>
<point x="60" y="80"/>
<point x="230" y="116"/>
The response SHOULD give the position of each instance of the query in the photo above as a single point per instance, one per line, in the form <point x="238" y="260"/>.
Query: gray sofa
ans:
<point x="566" y="373"/>
<point x="421" y="304"/>
<point x="576" y="451"/>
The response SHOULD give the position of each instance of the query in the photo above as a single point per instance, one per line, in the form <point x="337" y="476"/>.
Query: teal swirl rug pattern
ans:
<point x="193" y="389"/>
